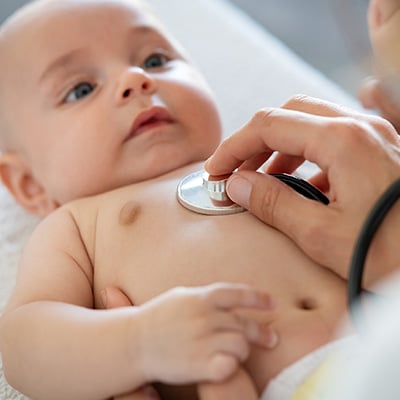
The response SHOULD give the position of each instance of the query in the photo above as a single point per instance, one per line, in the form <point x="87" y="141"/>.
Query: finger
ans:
<point x="233" y="343"/>
<point x="291" y="132"/>
<point x="256" y="333"/>
<point x="368" y="92"/>
<point x="324" y="108"/>
<point x="256" y="162"/>
<point x="276" y="204"/>
<point x="221" y="366"/>
<point x="286" y="164"/>
<point x="320" y="107"/>
<point x="113" y="297"/>
<point x="380" y="12"/>
<point x="320" y="180"/>
<point x="282" y="163"/>
<point x="228" y="296"/>
<point x="373" y="95"/>
<point x="304" y="127"/>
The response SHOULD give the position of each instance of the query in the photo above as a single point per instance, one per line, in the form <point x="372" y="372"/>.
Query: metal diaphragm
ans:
<point x="206" y="194"/>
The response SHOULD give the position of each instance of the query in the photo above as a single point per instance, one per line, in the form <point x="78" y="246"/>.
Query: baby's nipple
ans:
<point x="129" y="213"/>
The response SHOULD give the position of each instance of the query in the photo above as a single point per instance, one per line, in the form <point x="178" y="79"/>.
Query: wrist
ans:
<point x="134" y="346"/>
<point x="139" y="346"/>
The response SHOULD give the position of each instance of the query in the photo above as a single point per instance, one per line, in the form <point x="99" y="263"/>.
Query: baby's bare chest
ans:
<point x="147" y="247"/>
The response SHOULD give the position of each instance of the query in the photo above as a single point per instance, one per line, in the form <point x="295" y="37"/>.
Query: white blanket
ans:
<point x="245" y="65"/>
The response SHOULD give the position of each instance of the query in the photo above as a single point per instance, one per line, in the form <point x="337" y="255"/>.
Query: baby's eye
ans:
<point x="156" y="60"/>
<point x="80" y="91"/>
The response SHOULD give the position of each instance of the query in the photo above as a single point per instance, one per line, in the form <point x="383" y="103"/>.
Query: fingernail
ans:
<point x="239" y="190"/>
<point x="103" y="296"/>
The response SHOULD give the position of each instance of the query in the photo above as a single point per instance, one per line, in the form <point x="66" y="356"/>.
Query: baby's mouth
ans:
<point x="149" y="119"/>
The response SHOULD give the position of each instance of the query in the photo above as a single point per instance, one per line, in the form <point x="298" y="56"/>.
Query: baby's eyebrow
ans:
<point x="69" y="58"/>
<point x="62" y="62"/>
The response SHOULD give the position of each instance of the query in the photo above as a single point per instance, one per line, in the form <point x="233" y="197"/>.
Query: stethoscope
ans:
<point x="205" y="194"/>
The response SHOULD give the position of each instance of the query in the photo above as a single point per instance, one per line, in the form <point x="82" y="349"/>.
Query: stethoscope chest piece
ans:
<point x="205" y="194"/>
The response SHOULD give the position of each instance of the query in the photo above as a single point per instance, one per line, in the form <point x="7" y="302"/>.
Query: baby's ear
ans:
<point x="23" y="186"/>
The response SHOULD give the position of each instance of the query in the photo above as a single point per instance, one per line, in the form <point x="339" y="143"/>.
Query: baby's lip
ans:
<point x="149" y="118"/>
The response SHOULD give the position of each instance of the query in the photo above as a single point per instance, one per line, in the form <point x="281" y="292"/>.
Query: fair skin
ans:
<point x="98" y="133"/>
<point x="358" y="155"/>
<point x="382" y="91"/>
<point x="159" y="83"/>
<point x="125" y="107"/>
<point x="117" y="229"/>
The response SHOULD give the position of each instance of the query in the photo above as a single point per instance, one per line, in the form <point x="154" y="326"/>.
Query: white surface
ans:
<point x="247" y="68"/>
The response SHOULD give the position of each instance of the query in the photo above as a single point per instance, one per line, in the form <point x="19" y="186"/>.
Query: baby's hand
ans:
<point x="193" y="334"/>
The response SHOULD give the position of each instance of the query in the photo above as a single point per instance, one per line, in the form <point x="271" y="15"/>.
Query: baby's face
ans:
<point x="102" y="97"/>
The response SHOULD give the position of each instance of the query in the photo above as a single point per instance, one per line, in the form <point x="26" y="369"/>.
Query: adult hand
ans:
<point x="382" y="91"/>
<point x="359" y="157"/>
<point x="375" y="94"/>
<point x="113" y="297"/>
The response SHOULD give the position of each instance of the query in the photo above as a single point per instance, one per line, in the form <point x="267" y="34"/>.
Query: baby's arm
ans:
<point x="54" y="345"/>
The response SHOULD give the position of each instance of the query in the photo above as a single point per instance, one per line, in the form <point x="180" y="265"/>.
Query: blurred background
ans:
<point x="331" y="35"/>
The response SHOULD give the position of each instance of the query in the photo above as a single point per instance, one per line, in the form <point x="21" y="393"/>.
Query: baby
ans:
<point x="111" y="116"/>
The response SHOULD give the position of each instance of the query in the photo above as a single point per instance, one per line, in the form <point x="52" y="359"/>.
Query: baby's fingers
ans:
<point x="232" y="343"/>
<point x="263" y="336"/>
<point x="231" y="349"/>
<point x="228" y="296"/>
<point x="251" y="330"/>
<point x="221" y="367"/>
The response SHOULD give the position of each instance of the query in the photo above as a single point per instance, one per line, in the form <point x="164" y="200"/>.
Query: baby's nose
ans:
<point x="135" y="82"/>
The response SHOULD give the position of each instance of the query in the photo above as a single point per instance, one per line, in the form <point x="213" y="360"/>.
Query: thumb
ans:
<point x="274" y="202"/>
<point x="113" y="297"/>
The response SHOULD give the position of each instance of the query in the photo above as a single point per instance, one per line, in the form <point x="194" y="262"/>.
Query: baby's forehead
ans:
<point x="43" y="29"/>
<point x="42" y="19"/>
<point x="51" y="25"/>
<point x="41" y="14"/>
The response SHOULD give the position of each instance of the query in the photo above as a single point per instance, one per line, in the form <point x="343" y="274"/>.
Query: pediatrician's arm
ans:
<point x="359" y="157"/>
